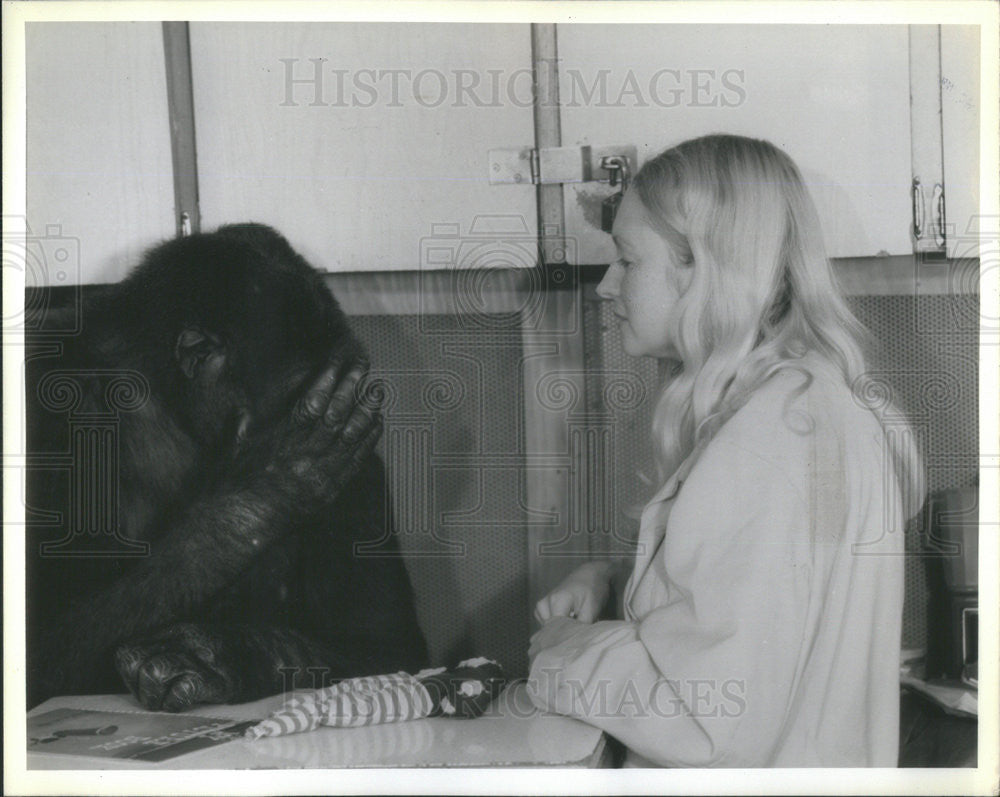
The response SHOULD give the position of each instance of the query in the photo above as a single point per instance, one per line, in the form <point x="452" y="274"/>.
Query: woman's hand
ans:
<point x="551" y="634"/>
<point x="581" y="596"/>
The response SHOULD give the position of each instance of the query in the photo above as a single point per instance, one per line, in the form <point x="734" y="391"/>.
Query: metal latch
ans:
<point x="618" y="169"/>
<point x="549" y="165"/>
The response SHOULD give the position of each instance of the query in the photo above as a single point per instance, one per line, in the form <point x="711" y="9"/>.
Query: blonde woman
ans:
<point x="762" y="616"/>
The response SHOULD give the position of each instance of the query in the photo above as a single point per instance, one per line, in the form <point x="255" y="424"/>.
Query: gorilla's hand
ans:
<point x="179" y="668"/>
<point x="328" y="434"/>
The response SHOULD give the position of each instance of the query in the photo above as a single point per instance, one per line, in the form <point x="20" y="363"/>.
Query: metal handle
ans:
<point x="937" y="201"/>
<point x="917" y="198"/>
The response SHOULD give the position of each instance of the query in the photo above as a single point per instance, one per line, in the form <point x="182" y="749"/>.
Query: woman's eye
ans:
<point x="623" y="262"/>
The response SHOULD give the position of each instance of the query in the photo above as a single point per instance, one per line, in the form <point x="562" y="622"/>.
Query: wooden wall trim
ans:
<point x="445" y="292"/>
<point x="553" y="350"/>
<point x="180" y="104"/>
<point x="906" y="275"/>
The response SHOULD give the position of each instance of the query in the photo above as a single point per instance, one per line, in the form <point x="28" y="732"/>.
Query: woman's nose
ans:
<point x="608" y="287"/>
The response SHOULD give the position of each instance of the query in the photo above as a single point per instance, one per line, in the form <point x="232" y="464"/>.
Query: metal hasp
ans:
<point x="558" y="165"/>
<point x="618" y="168"/>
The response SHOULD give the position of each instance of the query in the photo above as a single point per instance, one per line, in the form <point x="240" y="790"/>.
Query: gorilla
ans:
<point x="203" y="498"/>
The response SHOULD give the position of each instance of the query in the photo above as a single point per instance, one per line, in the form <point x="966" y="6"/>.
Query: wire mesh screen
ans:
<point x="928" y="351"/>
<point x="452" y="414"/>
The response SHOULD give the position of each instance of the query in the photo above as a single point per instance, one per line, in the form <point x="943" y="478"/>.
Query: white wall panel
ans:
<point x="98" y="147"/>
<point x="355" y="173"/>
<point x="836" y="98"/>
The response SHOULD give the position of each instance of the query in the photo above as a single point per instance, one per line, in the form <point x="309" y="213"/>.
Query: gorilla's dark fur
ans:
<point x="244" y="481"/>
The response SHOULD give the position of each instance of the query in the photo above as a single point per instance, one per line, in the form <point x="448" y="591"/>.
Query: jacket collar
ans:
<point x="649" y="538"/>
<point x="673" y="484"/>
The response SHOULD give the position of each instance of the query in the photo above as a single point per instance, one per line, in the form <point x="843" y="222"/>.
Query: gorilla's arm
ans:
<point x="346" y="613"/>
<point x="317" y="450"/>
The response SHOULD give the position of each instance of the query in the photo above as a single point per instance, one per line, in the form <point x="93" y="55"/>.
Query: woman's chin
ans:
<point x="631" y="350"/>
<point x="634" y="348"/>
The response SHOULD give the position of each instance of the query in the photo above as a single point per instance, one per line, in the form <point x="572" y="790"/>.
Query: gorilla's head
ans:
<point x="239" y="323"/>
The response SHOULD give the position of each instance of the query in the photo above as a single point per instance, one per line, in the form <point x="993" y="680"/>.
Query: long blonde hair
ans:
<point x="761" y="296"/>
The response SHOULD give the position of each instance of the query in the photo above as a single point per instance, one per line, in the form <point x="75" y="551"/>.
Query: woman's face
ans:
<point x="644" y="284"/>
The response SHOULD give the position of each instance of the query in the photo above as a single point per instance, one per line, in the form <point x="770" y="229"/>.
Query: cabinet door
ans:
<point x="960" y="133"/>
<point x="365" y="144"/>
<point x="835" y="98"/>
<point x="99" y="172"/>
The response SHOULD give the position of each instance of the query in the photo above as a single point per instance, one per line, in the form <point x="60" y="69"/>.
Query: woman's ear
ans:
<point x="194" y="348"/>
<point x="684" y="271"/>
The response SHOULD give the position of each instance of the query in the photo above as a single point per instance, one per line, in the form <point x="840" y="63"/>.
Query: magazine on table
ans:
<point x="119" y="734"/>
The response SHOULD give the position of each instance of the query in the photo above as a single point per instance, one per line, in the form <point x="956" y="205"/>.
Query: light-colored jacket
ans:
<point x="763" y="615"/>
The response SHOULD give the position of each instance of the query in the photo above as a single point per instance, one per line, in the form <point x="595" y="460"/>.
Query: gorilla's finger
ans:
<point x="131" y="660"/>
<point x="344" y="398"/>
<point x="360" y="424"/>
<point x="185" y="691"/>
<point x="130" y="656"/>
<point x="315" y="401"/>
<point x="154" y="675"/>
<point x="349" y="462"/>
<point x="128" y="660"/>
<point x="368" y="443"/>
<point x="191" y="688"/>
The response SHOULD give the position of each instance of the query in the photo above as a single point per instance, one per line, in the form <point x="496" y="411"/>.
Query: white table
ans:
<point x="511" y="733"/>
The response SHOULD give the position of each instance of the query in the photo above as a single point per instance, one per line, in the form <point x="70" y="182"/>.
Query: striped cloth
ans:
<point x="349" y="704"/>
